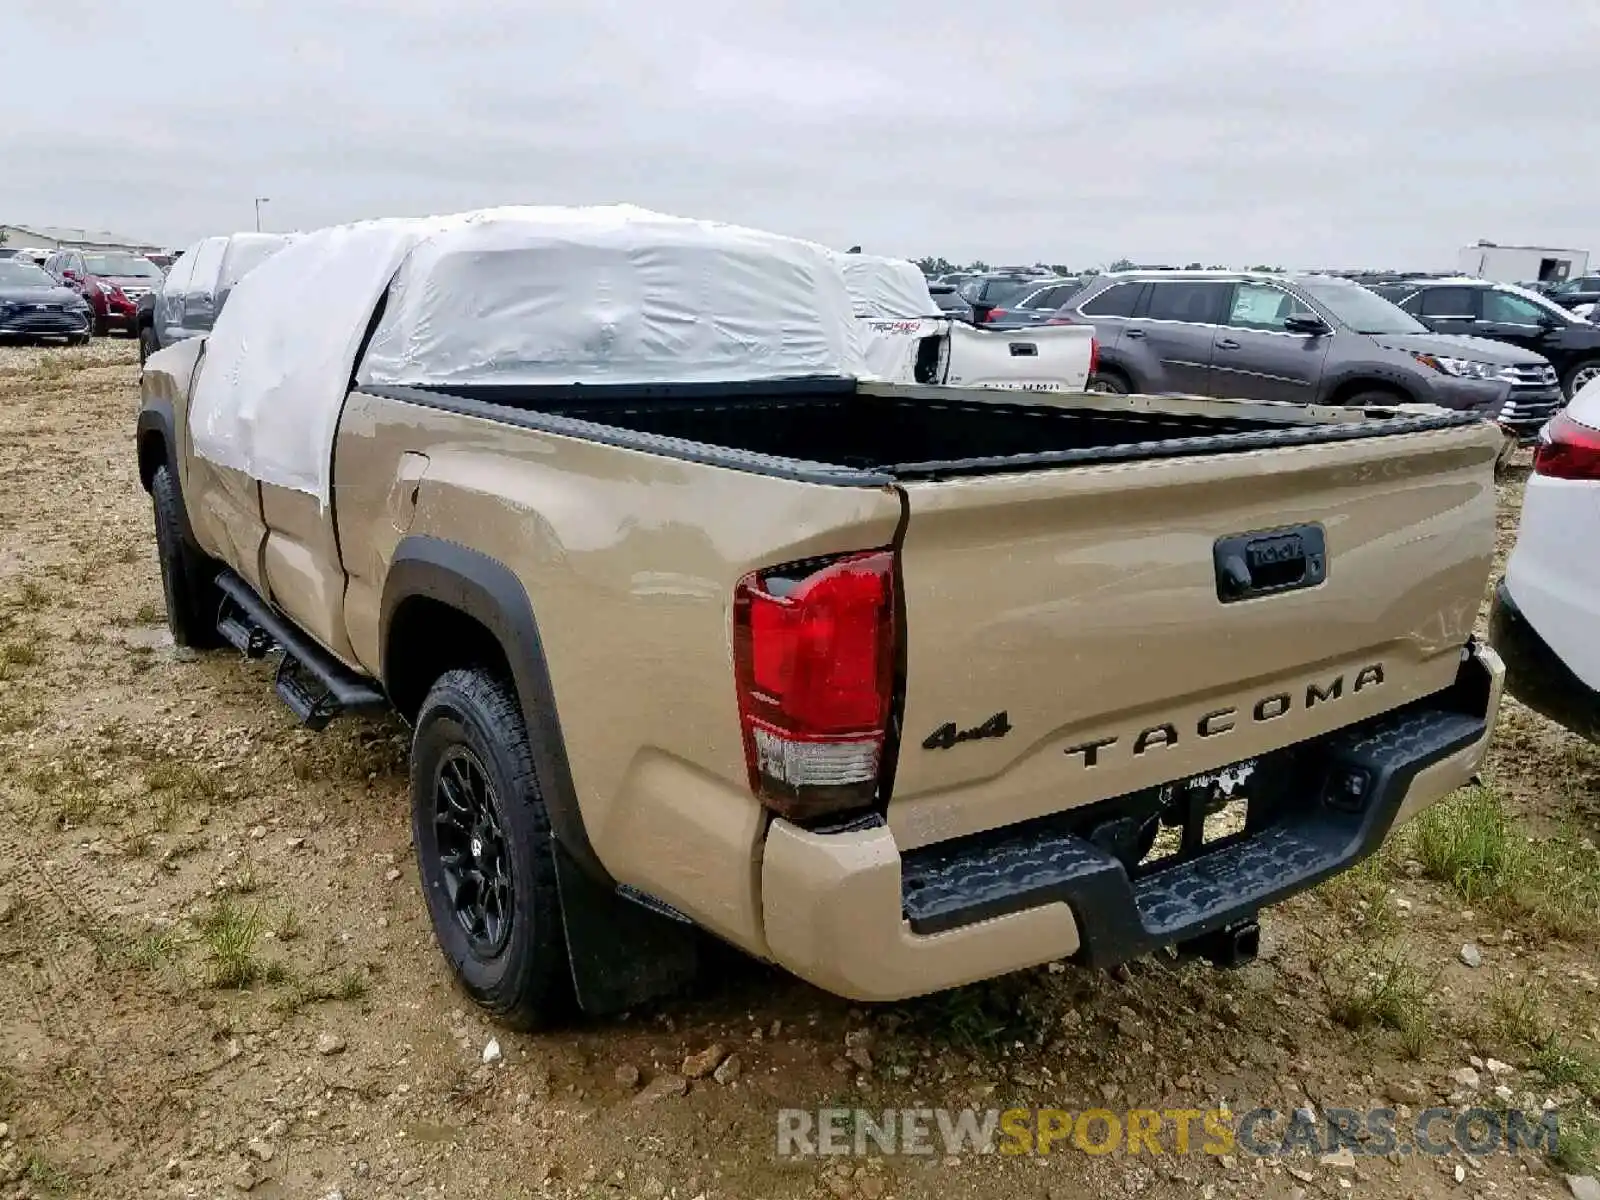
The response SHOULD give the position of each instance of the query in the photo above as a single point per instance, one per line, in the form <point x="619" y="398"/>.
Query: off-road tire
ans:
<point x="527" y="983"/>
<point x="188" y="577"/>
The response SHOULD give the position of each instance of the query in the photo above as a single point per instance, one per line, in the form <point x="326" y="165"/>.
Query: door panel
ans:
<point x="224" y="504"/>
<point x="1507" y="317"/>
<point x="225" y="510"/>
<point x="301" y="564"/>
<point x="1183" y="351"/>
<point x="1176" y="325"/>
<point x="1255" y="358"/>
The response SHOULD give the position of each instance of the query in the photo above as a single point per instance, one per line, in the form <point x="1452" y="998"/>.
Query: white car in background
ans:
<point x="1546" y="616"/>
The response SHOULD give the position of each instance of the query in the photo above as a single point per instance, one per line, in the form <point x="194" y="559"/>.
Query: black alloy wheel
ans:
<point x="473" y="863"/>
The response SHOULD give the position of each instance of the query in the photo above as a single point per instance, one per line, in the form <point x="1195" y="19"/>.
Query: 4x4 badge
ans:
<point x="948" y="735"/>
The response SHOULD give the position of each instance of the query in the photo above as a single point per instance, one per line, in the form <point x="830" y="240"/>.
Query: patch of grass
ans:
<point x="149" y="613"/>
<point x="68" y="784"/>
<point x="1517" y="1011"/>
<point x="1561" y="1065"/>
<point x="1361" y="894"/>
<point x="1380" y="991"/>
<point x="230" y="935"/>
<point x="350" y="984"/>
<point x="289" y="926"/>
<point x="177" y="785"/>
<point x="151" y="951"/>
<point x="246" y="880"/>
<point x="17" y="655"/>
<point x="1557" y="892"/>
<point x="46" y="1176"/>
<point x="19" y="713"/>
<point x="1468" y="841"/>
<point x="986" y="1018"/>
<point x="32" y="596"/>
<point x="1471" y="843"/>
<point x="60" y="363"/>
<point x="1577" y="1143"/>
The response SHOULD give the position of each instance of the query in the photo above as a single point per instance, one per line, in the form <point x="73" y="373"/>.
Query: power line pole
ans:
<point x="260" y="200"/>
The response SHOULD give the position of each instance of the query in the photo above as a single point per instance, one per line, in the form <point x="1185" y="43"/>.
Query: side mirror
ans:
<point x="1548" y="323"/>
<point x="1307" y="324"/>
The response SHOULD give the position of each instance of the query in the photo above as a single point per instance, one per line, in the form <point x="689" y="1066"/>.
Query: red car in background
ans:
<point x="111" y="281"/>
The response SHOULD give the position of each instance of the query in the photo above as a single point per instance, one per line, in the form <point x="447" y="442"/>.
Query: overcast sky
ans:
<point x="1358" y="133"/>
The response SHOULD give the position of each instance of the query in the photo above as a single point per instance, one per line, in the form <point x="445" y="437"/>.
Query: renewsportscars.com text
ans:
<point x="1263" y="1132"/>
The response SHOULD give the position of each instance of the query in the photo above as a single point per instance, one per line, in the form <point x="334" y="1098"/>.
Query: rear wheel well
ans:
<point x="1352" y="388"/>
<point x="152" y="454"/>
<point x="428" y="637"/>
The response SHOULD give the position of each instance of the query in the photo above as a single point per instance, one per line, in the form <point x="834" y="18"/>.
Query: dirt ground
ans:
<point x="217" y="976"/>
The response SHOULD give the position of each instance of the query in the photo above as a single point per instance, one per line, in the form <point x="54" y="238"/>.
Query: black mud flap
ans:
<point x="625" y="947"/>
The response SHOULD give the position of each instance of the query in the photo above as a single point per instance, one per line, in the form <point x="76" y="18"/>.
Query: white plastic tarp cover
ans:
<point x="506" y="296"/>
<point x="886" y="287"/>
<point x="611" y="295"/>
<point x="277" y="364"/>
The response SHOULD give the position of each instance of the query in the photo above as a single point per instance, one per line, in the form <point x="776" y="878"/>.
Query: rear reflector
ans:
<point x="814" y="653"/>
<point x="1567" y="449"/>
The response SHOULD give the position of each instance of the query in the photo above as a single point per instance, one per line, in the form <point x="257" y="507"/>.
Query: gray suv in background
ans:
<point x="1306" y="339"/>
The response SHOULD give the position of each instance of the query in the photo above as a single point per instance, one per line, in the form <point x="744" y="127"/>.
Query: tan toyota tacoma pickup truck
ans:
<point x="898" y="687"/>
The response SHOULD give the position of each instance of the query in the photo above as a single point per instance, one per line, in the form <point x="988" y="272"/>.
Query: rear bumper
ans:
<point x="851" y="913"/>
<point x="1536" y="674"/>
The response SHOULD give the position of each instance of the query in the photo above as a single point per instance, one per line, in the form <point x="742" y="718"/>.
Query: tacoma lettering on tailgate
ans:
<point x="1220" y="721"/>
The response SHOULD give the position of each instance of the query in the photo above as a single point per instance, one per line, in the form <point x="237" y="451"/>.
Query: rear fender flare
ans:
<point x="486" y="590"/>
<point x="155" y="437"/>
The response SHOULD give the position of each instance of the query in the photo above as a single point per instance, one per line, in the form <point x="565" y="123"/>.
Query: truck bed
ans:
<point x="843" y="431"/>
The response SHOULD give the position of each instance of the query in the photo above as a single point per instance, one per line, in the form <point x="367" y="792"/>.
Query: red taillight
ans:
<point x="992" y="314"/>
<point x="814" y="654"/>
<point x="1094" y="355"/>
<point x="1567" y="449"/>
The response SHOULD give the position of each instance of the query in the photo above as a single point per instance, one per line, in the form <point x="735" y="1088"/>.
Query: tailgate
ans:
<point x="1083" y="604"/>
<point x="1054" y="357"/>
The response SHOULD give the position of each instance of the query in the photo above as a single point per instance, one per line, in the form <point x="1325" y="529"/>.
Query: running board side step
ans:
<point x="316" y="686"/>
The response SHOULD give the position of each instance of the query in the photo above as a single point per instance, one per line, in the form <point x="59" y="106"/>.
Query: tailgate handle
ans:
<point x="1024" y="350"/>
<point x="1270" y="561"/>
